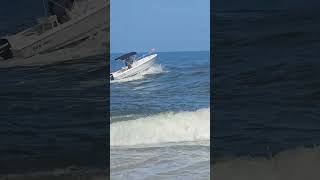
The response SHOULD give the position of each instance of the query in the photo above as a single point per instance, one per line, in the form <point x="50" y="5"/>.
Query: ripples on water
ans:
<point x="266" y="94"/>
<point x="52" y="115"/>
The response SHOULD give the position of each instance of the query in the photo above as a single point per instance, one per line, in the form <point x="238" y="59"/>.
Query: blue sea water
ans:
<point x="160" y="120"/>
<point x="266" y="94"/>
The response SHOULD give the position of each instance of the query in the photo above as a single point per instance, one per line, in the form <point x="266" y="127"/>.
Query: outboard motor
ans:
<point x="5" y="51"/>
<point x="111" y="77"/>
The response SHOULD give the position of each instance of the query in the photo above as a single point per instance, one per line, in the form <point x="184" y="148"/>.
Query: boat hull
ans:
<point x="64" y="36"/>
<point x="137" y="67"/>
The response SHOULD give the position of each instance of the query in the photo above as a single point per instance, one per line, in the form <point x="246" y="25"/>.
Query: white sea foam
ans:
<point x="154" y="69"/>
<point x="296" y="164"/>
<point x="162" y="128"/>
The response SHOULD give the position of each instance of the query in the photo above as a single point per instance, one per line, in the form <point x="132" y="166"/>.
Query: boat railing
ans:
<point x="145" y="55"/>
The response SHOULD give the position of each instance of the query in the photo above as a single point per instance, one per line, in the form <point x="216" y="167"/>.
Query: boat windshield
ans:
<point x="126" y="56"/>
<point x="44" y="24"/>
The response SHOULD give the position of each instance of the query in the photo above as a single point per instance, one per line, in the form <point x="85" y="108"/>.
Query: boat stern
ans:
<point x="5" y="49"/>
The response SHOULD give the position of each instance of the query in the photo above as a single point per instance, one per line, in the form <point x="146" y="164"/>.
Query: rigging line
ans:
<point x="44" y="7"/>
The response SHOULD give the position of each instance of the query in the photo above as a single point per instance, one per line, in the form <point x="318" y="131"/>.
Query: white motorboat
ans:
<point x="70" y="23"/>
<point x="133" y="65"/>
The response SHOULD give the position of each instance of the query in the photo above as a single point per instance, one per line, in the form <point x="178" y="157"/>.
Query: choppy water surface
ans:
<point x="53" y="115"/>
<point x="160" y="120"/>
<point x="266" y="95"/>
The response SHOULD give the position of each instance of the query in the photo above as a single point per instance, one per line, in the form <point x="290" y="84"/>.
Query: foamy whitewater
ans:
<point x="160" y="120"/>
<point x="162" y="128"/>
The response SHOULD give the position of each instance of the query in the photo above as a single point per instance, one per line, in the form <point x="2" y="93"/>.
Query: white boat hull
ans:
<point x="137" y="67"/>
<point x="77" y="30"/>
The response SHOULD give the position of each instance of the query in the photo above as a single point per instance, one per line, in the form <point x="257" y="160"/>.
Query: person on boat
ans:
<point x="126" y="63"/>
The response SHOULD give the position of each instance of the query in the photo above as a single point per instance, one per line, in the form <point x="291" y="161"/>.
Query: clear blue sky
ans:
<point x="166" y="25"/>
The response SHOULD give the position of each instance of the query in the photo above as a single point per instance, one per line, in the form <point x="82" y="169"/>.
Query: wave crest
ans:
<point x="162" y="128"/>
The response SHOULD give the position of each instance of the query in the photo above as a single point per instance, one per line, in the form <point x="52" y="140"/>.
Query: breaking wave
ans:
<point x="154" y="69"/>
<point x="162" y="128"/>
<point x="296" y="164"/>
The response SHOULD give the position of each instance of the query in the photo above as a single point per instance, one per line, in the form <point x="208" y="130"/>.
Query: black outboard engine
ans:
<point x="5" y="51"/>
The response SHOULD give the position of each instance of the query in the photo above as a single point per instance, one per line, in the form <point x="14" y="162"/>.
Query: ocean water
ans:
<point x="53" y="122"/>
<point x="53" y="117"/>
<point x="160" y="119"/>
<point x="266" y="95"/>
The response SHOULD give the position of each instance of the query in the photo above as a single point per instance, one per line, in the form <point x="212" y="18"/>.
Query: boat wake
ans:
<point x="154" y="69"/>
<point x="166" y="127"/>
<point x="294" y="164"/>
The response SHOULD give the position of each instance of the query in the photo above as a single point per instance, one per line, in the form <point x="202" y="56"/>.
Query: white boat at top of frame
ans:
<point x="70" y="23"/>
